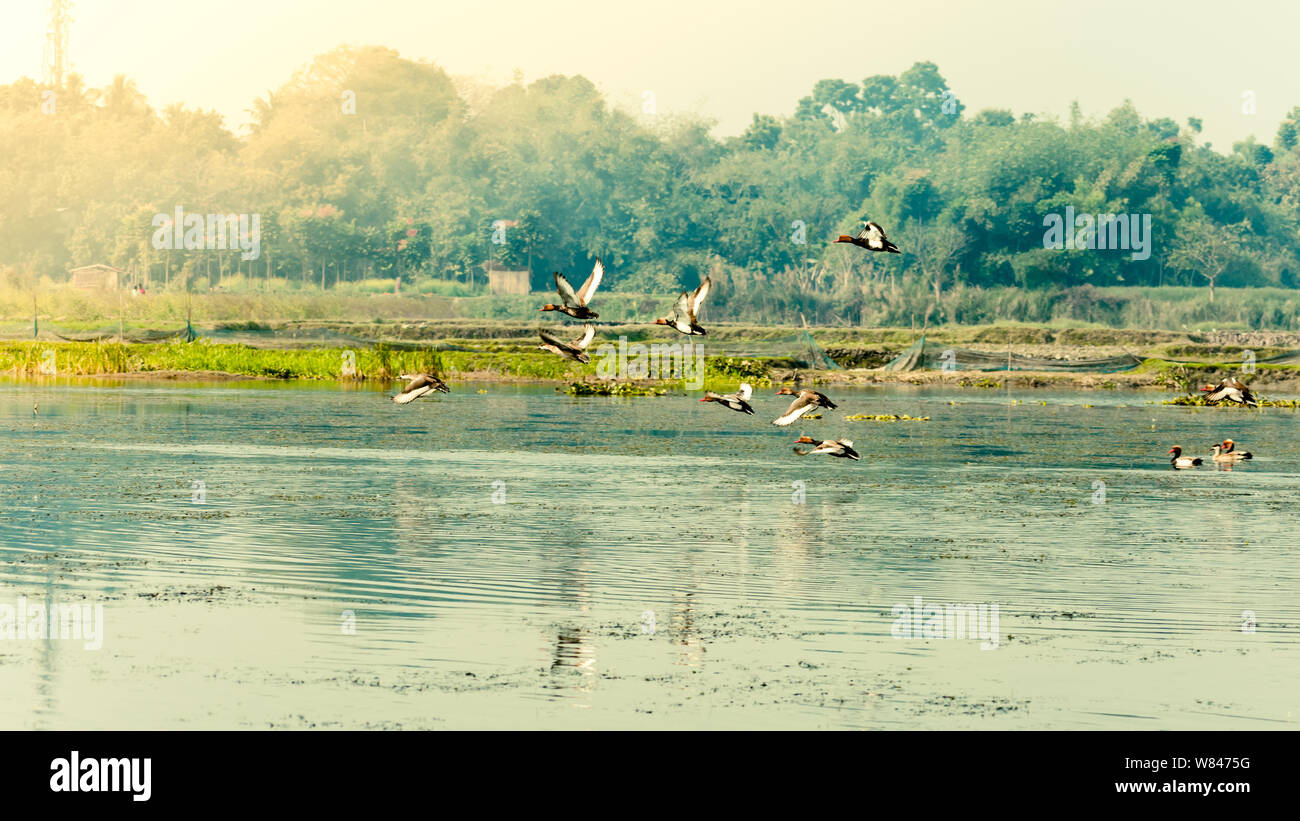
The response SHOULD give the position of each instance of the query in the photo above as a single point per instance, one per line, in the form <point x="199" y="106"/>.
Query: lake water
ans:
<point x="310" y="555"/>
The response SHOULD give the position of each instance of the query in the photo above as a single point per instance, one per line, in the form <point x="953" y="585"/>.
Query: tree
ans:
<point x="935" y="245"/>
<point x="1207" y="249"/>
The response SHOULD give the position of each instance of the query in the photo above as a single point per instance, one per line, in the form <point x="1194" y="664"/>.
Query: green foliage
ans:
<point x="745" y="370"/>
<point x="399" y="197"/>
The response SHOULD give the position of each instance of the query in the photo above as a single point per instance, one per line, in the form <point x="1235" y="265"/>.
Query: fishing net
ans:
<point x="799" y="348"/>
<point x="925" y="355"/>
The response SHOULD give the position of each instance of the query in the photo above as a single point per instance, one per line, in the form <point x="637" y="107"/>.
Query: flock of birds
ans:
<point x="685" y="320"/>
<point x="1231" y="390"/>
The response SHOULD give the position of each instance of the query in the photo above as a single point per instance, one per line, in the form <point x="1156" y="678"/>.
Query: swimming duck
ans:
<point x="1230" y="448"/>
<point x="738" y="401"/>
<point x="1221" y="456"/>
<point x="1181" y="462"/>
<point x="1230" y="389"/>
<point x="575" y="350"/>
<point x="419" y="384"/>
<point x="842" y="448"/>
<point x="872" y="237"/>
<point x="687" y="309"/>
<point x="804" y="401"/>
<point x="575" y="304"/>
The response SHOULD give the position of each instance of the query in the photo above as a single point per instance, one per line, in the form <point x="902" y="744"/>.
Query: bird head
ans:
<point x="805" y="440"/>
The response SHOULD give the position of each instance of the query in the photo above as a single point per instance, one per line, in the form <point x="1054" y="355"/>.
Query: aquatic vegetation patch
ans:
<point x="610" y="389"/>
<point x="1198" y="401"/>
<point x="885" y="417"/>
<point x="982" y="382"/>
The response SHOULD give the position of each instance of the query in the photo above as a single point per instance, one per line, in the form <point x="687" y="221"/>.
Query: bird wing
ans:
<point x="701" y="293"/>
<point x="874" y="235"/>
<point x="797" y="408"/>
<point x="1220" y="394"/>
<point x="566" y="291"/>
<point x="583" y="341"/>
<point x="682" y="307"/>
<point x="411" y="394"/>
<point x="746" y="390"/>
<point x="418" y="380"/>
<point x="593" y="282"/>
<point x="549" y="339"/>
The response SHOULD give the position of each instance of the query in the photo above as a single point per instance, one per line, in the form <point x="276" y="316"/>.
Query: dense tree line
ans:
<point x="368" y="165"/>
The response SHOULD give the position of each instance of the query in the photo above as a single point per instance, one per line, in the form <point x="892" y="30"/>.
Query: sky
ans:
<point x="1236" y="66"/>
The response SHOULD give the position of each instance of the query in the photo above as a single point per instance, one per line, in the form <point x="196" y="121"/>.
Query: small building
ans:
<point x="96" y="277"/>
<point x="508" y="282"/>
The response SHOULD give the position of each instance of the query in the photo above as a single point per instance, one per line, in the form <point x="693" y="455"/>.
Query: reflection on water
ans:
<point x="499" y="554"/>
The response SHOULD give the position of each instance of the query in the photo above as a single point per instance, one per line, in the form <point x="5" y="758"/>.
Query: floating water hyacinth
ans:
<point x="885" y="417"/>
<point x="1199" y="401"/>
<point x="610" y="389"/>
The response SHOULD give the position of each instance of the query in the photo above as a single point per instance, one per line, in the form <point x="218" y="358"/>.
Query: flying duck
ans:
<point x="1229" y="389"/>
<point x="575" y="304"/>
<point x="687" y="309"/>
<point x="872" y="237"/>
<point x="1230" y="448"/>
<point x="738" y="401"/>
<point x="842" y="448"/>
<point x="417" y="385"/>
<point x="804" y="401"/>
<point x="1181" y="462"/>
<point x="575" y="350"/>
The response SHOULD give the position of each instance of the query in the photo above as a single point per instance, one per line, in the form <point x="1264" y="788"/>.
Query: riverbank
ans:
<point x="507" y="352"/>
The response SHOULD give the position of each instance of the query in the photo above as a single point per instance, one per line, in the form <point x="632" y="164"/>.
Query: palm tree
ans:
<point x="123" y="97"/>
<point x="263" y="110"/>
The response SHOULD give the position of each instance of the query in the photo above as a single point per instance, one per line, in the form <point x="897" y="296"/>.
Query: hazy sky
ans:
<point x="717" y="58"/>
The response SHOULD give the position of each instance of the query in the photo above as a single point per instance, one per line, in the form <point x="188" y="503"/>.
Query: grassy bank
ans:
<point x="383" y="362"/>
<point x="872" y="305"/>
<point x="380" y="362"/>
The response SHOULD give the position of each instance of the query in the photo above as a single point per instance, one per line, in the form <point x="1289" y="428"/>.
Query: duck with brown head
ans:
<point x="805" y="401"/>
<point x="841" y="448"/>
<point x="1181" y="462"/>
<point x="1230" y="449"/>
<point x="574" y="303"/>
<point x="738" y="401"/>
<point x="685" y="318"/>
